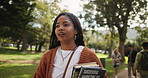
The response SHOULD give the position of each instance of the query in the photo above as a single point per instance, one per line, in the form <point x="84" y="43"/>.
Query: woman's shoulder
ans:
<point x="50" y="51"/>
<point x="87" y="50"/>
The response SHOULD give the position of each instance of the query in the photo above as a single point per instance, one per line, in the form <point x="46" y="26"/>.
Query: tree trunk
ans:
<point x="36" y="47"/>
<point x="111" y="48"/>
<point x="30" y="47"/>
<point x="18" y="45"/>
<point x="121" y="49"/>
<point x="25" y="42"/>
<point x="40" y="45"/>
<point x="122" y="38"/>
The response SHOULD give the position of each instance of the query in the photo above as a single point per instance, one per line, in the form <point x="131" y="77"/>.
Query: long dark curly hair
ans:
<point x="77" y="26"/>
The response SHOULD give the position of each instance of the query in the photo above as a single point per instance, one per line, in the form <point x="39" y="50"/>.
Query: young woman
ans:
<point x="67" y="49"/>
<point x="116" y="57"/>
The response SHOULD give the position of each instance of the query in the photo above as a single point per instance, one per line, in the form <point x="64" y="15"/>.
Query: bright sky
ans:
<point x="72" y="5"/>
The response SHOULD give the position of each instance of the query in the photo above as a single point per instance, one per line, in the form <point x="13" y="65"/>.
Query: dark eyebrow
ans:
<point x="64" y="22"/>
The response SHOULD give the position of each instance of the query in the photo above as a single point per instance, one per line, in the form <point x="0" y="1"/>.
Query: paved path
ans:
<point x="124" y="74"/>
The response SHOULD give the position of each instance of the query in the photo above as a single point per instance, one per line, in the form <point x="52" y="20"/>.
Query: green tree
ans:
<point x="111" y="39"/>
<point x="15" y="18"/>
<point x="143" y="36"/>
<point x="115" y="13"/>
<point x="44" y="14"/>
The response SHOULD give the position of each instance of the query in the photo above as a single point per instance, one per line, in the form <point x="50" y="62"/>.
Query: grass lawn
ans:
<point x="12" y="54"/>
<point x="13" y="63"/>
<point x="17" y="70"/>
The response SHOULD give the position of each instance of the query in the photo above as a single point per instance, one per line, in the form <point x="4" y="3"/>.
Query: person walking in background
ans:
<point x="116" y="57"/>
<point x="131" y="59"/>
<point x="66" y="49"/>
<point x="141" y="62"/>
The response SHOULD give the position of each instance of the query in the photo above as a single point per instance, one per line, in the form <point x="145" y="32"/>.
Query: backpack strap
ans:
<point x="143" y="52"/>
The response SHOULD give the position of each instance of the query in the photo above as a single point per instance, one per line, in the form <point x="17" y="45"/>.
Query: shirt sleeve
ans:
<point x="137" y="62"/>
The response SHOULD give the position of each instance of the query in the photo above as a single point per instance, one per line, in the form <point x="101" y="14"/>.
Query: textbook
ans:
<point x="88" y="70"/>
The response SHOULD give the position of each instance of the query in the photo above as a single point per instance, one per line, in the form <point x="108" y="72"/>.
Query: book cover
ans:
<point x="88" y="70"/>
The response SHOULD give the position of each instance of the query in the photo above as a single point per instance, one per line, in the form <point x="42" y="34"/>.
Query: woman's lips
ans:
<point x="61" y="34"/>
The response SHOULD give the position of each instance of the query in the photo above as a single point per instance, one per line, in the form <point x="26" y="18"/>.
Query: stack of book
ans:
<point x="88" y="70"/>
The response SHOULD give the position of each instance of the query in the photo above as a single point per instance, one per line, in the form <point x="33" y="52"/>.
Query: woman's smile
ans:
<point x="61" y="34"/>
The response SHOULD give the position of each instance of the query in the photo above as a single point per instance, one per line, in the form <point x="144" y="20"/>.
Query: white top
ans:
<point x="59" y="65"/>
<point x="116" y="57"/>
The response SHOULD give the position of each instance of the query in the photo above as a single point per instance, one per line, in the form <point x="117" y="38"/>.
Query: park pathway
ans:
<point x="124" y="74"/>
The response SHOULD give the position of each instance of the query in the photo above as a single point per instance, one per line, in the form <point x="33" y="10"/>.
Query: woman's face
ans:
<point x="116" y="51"/>
<point x="65" y="29"/>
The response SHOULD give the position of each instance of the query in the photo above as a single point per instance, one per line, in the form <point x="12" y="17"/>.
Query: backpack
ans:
<point x="144" y="61"/>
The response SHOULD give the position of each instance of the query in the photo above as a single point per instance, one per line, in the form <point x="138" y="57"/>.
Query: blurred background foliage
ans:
<point x="27" y="24"/>
<point x="25" y="28"/>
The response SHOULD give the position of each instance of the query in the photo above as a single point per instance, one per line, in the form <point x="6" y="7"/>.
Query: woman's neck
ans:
<point x="68" y="46"/>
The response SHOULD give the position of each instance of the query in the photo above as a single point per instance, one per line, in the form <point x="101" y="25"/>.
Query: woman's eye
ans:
<point x="66" y="24"/>
<point x="57" y="26"/>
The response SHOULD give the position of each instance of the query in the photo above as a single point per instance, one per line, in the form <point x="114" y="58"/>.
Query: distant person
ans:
<point x="66" y="49"/>
<point x="141" y="62"/>
<point x="116" y="57"/>
<point x="131" y="59"/>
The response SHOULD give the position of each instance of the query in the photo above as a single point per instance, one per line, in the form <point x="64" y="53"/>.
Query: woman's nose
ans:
<point x="61" y="28"/>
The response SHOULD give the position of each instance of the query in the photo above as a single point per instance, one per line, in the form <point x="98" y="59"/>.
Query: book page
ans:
<point x="94" y="64"/>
